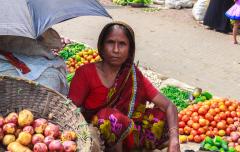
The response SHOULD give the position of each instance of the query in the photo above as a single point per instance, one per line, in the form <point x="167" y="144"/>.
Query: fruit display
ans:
<point x="215" y="117"/>
<point x="19" y="132"/>
<point x="183" y="98"/>
<point x="76" y="55"/>
<point x="82" y="57"/>
<point x="216" y="144"/>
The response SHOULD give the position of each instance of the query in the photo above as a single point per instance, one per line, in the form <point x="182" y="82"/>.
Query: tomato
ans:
<point x="209" y="117"/>
<point x="217" y="118"/>
<point x="202" y="111"/>
<point x="238" y="113"/>
<point x="221" y="133"/>
<point x="233" y="114"/>
<point x="235" y="105"/>
<point x="187" y="130"/>
<point x="188" y="113"/>
<point x="212" y="112"/>
<point x="195" y="126"/>
<point x="180" y="117"/>
<point x="183" y="112"/>
<point x="228" y="103"/>
<point x="194" y="114"/>
<point x="195" y="118"/>
<point x="195" y="108"/>
<point x="185" y="118"/>
<point x="231" y="108"/>
<point x="221" y="125"/>
<point x="213" y="123"/>
<point x="201" y="131"/>
<point x="190" y="137"/>
<point x="223" y="108"/>
<point x="181" y="124"/>
<point x="210" y="134"/>
<point x="202" y="122"/>
<point x="222" y="116"/>
<point x="203" y="137"/>
<point x="197" y="139"/>
<point x="206" y="107"/>
<point x="217" y="110"/>
<point x="228" y="131"/>
<point x="193" y="132"/>
<point x="181" y="131"/>
<point x="228" y="113"/>
<point x="189" y="123"/>
<point x="215" y="131"/>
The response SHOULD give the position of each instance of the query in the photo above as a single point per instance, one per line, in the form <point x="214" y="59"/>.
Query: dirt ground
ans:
<point x="172" y="43"/>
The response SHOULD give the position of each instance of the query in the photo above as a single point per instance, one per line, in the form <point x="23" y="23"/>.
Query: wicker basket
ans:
<point x="17" y="94"/>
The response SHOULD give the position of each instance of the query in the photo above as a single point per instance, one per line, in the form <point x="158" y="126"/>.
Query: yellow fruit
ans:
<point x="24" y="138"/>
<point x="7" y="139"/>
<point x="17" y="147"/>
<point x="25" y="118"/>
<point x="221" y="133"/>
<point x="182" y="138"/>
<point x="90" y="52"/>
<point x="98" y="58"/>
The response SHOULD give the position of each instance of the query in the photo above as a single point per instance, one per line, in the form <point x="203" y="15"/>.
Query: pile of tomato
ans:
<point x="215" y="117"/>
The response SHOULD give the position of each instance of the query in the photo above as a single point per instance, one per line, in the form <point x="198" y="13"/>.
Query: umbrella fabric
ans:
<point x="31" y="18"/>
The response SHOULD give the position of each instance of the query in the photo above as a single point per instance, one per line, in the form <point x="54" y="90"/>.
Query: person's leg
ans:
<point x="235" y="31"/>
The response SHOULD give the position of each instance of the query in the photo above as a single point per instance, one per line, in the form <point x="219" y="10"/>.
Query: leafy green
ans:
<point x="177" y="96"/>
<point x="71" y="49"/>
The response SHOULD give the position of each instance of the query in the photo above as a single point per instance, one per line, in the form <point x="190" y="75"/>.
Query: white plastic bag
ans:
<point x="199" y="9"/>
<point x="178" y="4"/>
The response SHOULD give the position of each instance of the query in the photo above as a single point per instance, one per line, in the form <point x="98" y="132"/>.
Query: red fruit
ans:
<point x="189" y="123"/>
<point x="9" y="128"/>
<point x="56" y="145"/>
<point x="11" y="118"/>
<point x="48" y="140"/>
<point x="52" y="130"/>
<point x="221" y="125"/>
<point x="185" y="118"/>
<point x="181" y="124"/>
<point x="40" y="147"/>
<point x="195" y="118"/>
<point x="195" y="126"/>
<point x="197" y="139"/>
<point x="39" y="125"/>
<point x="29" y="129"/>
<point x="37" y="138"/>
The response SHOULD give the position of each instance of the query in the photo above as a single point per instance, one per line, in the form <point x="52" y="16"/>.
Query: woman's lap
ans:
<point x="146" y="128"/>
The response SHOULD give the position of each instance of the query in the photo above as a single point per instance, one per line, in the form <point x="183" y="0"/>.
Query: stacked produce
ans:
<point x="215" y="117"/>
<point x="182" y="98"/>
<point x="216" y="144"/>
<point x="76" y="55"/>
<point x="21" y="133"/>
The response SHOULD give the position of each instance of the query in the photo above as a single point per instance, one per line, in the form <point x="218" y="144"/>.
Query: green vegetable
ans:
<point x="71" y="49"/>
<point x="213" y="148"/>
<point x="231" y="149"/>
<point x="200" y="99"/>
<point x="208" y="140"/>
<point x="69" y="77"/>
<point x="207" y="146"/>
<point x="177" y="96"/>
<point x="207" y="95"/>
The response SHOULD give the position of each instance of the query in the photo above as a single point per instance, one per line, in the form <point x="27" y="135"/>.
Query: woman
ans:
<point x="113" y="94"/>
<point x="215" y="16"/>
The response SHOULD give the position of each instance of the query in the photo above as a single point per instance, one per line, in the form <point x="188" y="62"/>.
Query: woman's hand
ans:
<point x="174" y="145"/>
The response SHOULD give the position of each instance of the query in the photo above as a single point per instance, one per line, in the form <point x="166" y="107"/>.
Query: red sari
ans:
<point x="119" y="112"/>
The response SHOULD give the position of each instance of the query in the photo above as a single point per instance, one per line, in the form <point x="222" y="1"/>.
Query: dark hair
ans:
<point x="128" y="32"/>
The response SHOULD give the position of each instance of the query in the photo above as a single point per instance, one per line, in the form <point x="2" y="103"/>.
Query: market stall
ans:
<point x="206" y="122"/>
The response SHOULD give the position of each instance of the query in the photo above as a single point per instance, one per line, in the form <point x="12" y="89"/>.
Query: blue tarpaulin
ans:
<point x="31" y="18"/>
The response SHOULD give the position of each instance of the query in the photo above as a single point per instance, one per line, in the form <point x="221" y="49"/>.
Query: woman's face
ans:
<point x="116" y="47"/>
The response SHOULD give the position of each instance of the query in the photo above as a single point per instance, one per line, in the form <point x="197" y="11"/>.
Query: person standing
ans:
<point x="234" y="14"/>
<point x="215" y="15"/>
